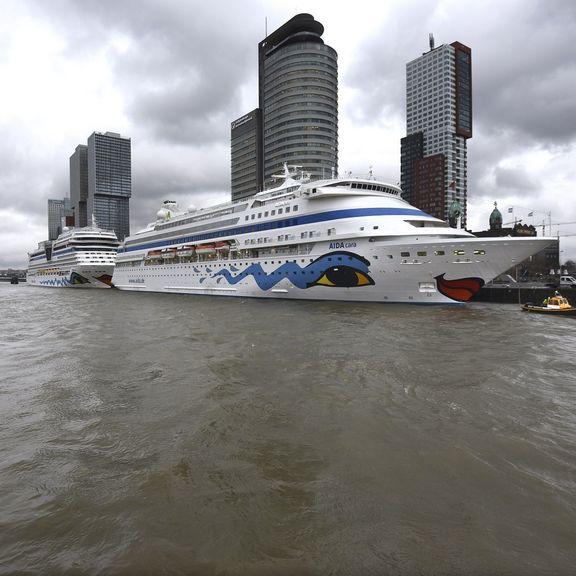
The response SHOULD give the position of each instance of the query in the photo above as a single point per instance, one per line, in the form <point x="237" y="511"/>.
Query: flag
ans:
<point x="530" y="213"/>
<point x="510" y="210"/>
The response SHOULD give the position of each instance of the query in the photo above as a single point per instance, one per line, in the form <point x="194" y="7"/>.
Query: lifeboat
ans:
<point x="168" y="253"/>
<point x="205" y="249"/>
<point x="222" y="246"/>
<point x="186" y="251"/>
<point x="154" y="255"/>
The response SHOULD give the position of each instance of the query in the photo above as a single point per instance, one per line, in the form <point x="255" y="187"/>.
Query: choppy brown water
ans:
<point x="159" y="434"/>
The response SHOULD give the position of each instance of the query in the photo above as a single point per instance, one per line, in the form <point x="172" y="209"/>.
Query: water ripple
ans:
<point x="150" y="434"/>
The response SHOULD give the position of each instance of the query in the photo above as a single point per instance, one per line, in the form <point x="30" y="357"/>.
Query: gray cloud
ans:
<point x="182" y="66"/>
<point x="182" y="69"/>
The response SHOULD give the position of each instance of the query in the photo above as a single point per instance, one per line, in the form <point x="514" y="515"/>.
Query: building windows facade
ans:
<point x="79" y="185"/>
<point x="298" y="107"/>
<point x="439" y="106"/>
<point x="110" y="181"/>
<point x="60" y="215"/>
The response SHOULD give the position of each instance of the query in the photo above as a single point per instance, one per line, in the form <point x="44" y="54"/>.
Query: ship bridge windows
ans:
<point x="370" y="186"/>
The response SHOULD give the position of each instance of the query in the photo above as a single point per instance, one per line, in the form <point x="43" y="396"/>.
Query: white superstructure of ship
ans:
<point x="78" y="258"/>
<point x="339" y="239"/>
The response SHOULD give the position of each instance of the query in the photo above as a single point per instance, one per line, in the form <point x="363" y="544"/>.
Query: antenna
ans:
<point x="431" y="40"/>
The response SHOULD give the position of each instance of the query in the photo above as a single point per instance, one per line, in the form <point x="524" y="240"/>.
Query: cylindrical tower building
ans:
<point x="298" y="97"/>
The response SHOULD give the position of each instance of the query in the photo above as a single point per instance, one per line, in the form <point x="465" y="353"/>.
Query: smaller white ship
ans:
<point x="78" y="258"/>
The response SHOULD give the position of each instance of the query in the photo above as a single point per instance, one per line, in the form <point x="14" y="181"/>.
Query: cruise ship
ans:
<point x="339" y="239"/>
<point x="78" y="258"/>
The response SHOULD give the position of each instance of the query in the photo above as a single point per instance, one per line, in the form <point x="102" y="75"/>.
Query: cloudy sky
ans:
<point x="173" y="74"/>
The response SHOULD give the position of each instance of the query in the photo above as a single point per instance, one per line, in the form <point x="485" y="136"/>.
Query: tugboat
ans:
<point x="555" y="305"/>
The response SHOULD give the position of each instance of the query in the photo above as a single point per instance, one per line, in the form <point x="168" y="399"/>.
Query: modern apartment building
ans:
<point x="298" y="108"/>
<point x="79" y="185"/>
<point x="438" y="124"/>
<point x="109" y="181"/>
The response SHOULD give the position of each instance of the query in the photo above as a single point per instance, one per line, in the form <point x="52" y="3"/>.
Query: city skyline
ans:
<point x="70" y="70"/>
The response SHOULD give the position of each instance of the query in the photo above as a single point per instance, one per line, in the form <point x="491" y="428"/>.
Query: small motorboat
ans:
<point x="555" y="305"/>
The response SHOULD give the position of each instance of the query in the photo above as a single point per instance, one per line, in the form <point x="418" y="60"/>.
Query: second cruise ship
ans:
<point x="78" y="258"/>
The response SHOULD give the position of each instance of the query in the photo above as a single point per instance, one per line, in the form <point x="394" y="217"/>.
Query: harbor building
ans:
<point x="433" y="159"/>
<point x="60" y="214"/>
<point x="109" y="181"/>
<point x="79" y="185"/>
<point x="297" y="117"/>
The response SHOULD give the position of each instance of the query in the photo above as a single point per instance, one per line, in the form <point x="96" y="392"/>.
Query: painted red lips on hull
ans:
<point x="461" y="289"/>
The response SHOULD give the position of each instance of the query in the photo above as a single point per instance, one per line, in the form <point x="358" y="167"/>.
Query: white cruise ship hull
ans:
<point x="339" y="239"/>
<point x="436" y="271"/>
<point x="78" y="276"/>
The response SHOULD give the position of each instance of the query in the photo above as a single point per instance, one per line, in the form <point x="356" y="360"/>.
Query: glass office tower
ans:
<point x="79" y="185"/>
<point x="110" y="181"/>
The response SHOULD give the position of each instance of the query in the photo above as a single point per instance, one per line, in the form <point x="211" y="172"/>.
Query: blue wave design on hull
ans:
<point x="55" y="282"/>
<point x="74" y="280"/>
<point x="335" y="269"/>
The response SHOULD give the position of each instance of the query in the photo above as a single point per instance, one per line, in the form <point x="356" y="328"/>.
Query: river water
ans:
<point x="169" y="434"/>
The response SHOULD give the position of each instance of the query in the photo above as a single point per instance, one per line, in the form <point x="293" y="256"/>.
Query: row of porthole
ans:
<point x="439" y="253"/>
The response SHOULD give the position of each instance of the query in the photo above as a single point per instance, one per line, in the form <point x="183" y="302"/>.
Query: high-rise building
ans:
<point x="110" y="181"/>
<point x="246" y="144"/>
<point x="298" y="106"/>
<point x="438" y="123"/>
<point x="79" y="185"/>
<point x="60" y="214"/>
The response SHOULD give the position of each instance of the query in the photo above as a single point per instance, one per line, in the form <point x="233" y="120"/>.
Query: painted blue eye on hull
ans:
<point x="336" y="269"/>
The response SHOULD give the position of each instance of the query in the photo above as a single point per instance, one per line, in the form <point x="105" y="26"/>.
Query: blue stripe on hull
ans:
<point x="277" y="224"/>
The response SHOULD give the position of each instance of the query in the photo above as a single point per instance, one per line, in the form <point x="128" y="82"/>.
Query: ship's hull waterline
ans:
<point x="75" y="277"/>
<point x="436" y="271"/>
